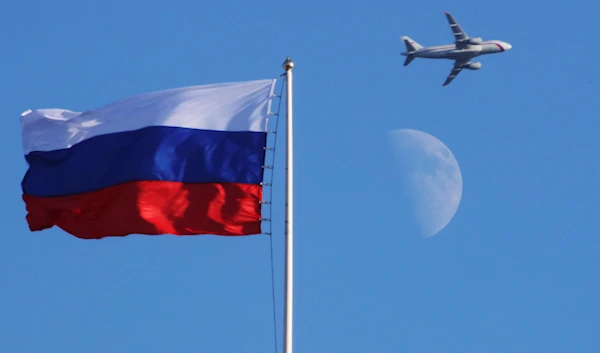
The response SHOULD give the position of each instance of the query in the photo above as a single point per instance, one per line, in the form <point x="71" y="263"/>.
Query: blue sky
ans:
<point x="515" y="270"/>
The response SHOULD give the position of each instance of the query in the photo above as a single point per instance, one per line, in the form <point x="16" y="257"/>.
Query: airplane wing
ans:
<point x="455" y="71"/>
<point x="459" y="34"/>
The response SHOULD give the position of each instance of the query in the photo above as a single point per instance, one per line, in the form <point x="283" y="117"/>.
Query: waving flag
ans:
<point x="182" y="161"/>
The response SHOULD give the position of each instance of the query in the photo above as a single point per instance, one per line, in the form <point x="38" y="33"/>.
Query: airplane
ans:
<point x="462" y="51"/>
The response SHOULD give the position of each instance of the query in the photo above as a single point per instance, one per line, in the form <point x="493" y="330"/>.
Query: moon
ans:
<point x="431" y="178"/>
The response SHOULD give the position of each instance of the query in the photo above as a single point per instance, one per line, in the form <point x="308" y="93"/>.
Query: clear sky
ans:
<point x="516" y="270"/>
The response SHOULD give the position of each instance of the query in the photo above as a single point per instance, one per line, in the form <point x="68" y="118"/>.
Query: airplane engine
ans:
<point x="475" y="41"/>
<point x="472" y="66"/>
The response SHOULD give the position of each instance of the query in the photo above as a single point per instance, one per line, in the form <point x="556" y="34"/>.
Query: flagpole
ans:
<point x="288" y="65"/>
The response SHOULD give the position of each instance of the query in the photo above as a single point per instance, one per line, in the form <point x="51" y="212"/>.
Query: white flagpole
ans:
<point x="288" y="65"/>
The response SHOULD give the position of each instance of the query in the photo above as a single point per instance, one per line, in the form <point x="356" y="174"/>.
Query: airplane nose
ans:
<point x="507" y="46"/>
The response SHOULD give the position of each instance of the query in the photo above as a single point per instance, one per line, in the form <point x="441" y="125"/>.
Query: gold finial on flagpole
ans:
<point x="288" y="64"/>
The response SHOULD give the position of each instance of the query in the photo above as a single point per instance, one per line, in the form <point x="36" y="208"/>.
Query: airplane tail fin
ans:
<point x="410" y="44"/>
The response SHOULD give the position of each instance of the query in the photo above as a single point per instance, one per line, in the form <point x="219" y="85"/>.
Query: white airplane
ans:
<point x="462" y="51"/>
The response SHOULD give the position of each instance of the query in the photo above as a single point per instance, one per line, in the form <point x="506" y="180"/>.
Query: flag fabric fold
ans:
<point x="182" y="161"/>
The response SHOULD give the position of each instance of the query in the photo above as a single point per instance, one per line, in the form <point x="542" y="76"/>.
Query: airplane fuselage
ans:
<point x="451" y="52"/>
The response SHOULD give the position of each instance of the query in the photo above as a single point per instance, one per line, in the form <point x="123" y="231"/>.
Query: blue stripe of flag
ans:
<point x="152" y="153"/>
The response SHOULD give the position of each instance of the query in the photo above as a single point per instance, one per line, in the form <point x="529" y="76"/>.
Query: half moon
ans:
<point x="431" y="178"/>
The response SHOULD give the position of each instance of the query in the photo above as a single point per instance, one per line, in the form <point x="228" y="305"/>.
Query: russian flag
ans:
<point x="182" y="161"/>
